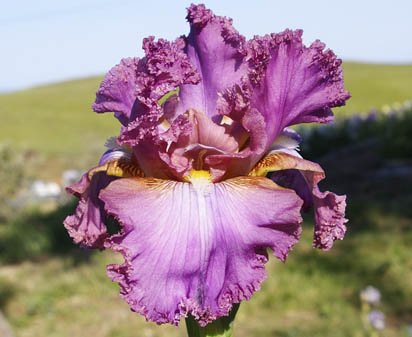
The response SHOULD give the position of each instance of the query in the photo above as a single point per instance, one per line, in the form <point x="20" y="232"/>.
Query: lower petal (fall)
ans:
<point x="303" y="176"/>
<point x="197" y="248"/>
<point x="86" y="226"/>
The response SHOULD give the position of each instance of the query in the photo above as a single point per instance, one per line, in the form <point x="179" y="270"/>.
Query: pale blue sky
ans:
<point x="48" y="40"/>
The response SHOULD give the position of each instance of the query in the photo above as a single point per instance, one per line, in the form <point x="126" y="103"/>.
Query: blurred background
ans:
<point x="53" y="56"/>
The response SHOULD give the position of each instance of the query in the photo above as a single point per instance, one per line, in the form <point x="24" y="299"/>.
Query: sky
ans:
<point x="46" y="41"/>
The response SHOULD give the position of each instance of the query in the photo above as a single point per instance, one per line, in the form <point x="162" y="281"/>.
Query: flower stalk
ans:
<point x="222" y="327"/>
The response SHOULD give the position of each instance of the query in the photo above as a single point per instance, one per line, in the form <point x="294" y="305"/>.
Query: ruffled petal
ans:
<point x="154" y="123"/>
<point x="86" y="226"/>
<point x="292" y="83"/>
<point x="329" y="217"/>
<point x="165" y="68"/>
<point x="216" y="49"/>
<point x="117" y="91"/>
<point x="197" y="248"/>
<point x="303" y="176"/>
<point x="134" y="87"/>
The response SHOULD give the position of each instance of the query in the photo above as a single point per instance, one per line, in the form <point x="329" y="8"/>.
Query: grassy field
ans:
<point x="56" y="125"/>
<point x="51" y="288"/>
<point x="54" y="119"/>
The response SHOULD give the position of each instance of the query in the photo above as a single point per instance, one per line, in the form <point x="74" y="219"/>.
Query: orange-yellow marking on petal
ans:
<point x="198" y="175"/>
<point x="118" y="168"/>
<point x="282" y="161"/>
<point x="199" y="178"/>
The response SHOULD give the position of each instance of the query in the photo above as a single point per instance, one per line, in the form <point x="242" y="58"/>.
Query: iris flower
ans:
<point x="205" y="176"/>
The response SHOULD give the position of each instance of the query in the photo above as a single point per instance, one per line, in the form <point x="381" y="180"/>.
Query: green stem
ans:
<point x="222" y="327"/>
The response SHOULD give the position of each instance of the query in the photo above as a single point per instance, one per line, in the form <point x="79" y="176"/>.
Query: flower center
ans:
<point x="200" y="179"/>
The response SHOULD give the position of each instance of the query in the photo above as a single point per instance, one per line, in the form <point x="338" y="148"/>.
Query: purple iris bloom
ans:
<point x="205" y="176"/>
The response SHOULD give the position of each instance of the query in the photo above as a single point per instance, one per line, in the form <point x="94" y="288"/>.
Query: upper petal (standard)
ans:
<point x="215" y="48"/>
<point x="117" y="91"/>
<point x="292" y="83"/>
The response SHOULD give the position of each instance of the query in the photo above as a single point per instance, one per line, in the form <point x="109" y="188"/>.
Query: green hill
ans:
<point x="57" y="119"/>
<point x="375" y="85"/>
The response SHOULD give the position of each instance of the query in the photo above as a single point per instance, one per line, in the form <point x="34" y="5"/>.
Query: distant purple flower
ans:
<point x="204" y="120"/>
<point x="370" y="295"/>
<point x="372" y="116"/>
<point x="377" y="319"/>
